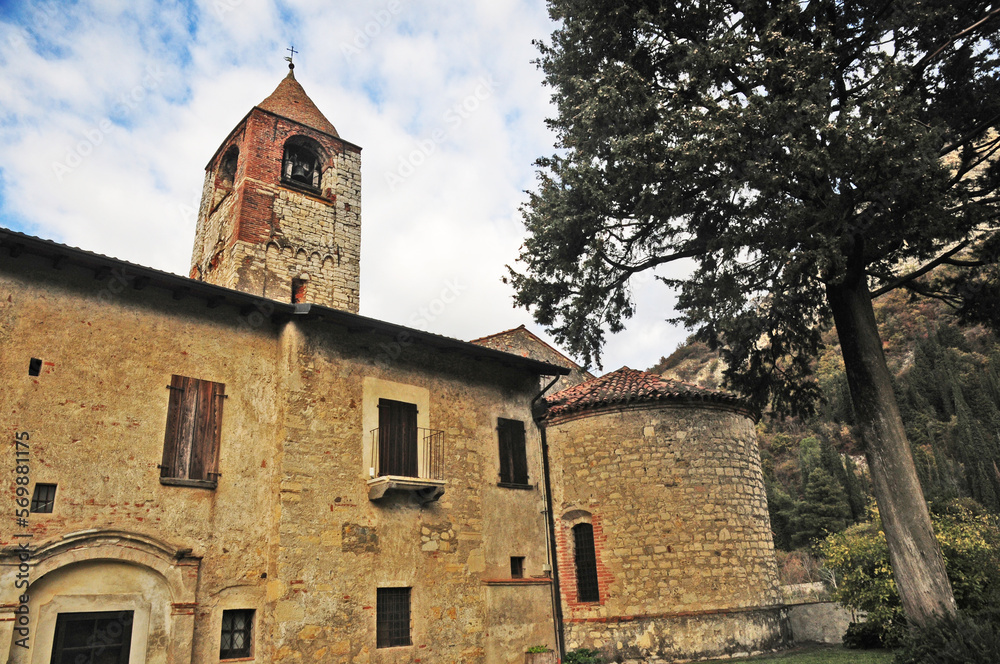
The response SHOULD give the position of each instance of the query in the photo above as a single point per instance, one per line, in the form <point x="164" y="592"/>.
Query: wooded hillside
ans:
<point x="947" y="380"/>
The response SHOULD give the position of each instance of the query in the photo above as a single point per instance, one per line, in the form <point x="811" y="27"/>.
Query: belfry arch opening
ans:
<point x="227" y="167"/>
<point x="302" y="163"/>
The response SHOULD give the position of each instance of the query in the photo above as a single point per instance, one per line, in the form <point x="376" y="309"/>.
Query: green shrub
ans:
<point x="865" y="636"/>
<point x="583" y="656"/>
<point x="962" y="639"/>
<point x="859" y="557"/>
<point x="538" y="649"/>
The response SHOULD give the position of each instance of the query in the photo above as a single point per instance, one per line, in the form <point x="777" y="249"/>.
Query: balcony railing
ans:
<point x="427" y="460"/>
<point x="407" y="459"/>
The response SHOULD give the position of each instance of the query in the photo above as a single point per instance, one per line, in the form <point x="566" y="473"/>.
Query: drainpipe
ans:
<point x="550" y="542"/>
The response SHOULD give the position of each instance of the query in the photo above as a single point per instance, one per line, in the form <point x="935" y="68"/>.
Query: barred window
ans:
<point x="237" y="633"/>
<point x="103" y="637"/>
<point x="585" y="558"/>
<point x="392" y="626"/>
<point x="44" y="498"/>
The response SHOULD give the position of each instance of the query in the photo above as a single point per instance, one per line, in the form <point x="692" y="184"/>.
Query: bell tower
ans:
<point x="280" y="212"/>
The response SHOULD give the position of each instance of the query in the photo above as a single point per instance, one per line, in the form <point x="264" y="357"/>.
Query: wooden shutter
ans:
<point x="194" y="427"/>
<point x="171" y="439"/>
<point x="397" y="438"/>
<point x="208" y="430"/>
<point x="513" y="456"/>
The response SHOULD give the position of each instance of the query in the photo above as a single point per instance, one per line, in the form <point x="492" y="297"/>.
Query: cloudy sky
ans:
<point x="110" y="109"/>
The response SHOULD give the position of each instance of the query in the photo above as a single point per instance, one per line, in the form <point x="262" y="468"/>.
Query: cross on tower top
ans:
<point x="291" y="65"/>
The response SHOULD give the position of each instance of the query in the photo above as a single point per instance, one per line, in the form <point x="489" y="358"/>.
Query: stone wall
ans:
<point x="520" y="341"/>
<point x="675" y="494"/>
<point x="684" y="637"/>
<point x="261" y="233"/>
<point x="813" y="616"/>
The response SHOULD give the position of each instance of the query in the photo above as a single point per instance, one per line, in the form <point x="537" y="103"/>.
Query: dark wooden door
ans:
<point x="397" y="438"/>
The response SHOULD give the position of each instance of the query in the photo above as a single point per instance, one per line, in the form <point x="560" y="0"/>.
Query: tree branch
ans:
<point x="924" y="61"/>
<point x="985" y="124"/>
<point x="629" y="270"/>
<point x="927" y="267"/>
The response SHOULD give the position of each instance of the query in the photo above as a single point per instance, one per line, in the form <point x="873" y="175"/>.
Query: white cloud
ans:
<point x="131" y="99"/>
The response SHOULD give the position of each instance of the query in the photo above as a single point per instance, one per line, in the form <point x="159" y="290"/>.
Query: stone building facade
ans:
<point x="231" y="467"/>
<point x="291" y="528"/>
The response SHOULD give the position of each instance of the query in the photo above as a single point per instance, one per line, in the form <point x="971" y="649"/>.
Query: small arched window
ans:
<point x="227" y="169"/>
<point x="225" y="176"/>
<point x="301" y="163"/>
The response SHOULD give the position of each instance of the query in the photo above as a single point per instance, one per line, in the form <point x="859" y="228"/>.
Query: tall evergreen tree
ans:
<point x="823" y="509"/>
<point x="977" y="456"/>
<point x="806" y="156"/>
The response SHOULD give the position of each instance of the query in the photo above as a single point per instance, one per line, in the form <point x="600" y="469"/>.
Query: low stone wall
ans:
<point x="674" y="638"/>
<point x="820" y="622"/>
<point x="813" y="616"/>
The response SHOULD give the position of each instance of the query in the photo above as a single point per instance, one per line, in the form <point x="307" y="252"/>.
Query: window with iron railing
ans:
<point x="402" y="449"/>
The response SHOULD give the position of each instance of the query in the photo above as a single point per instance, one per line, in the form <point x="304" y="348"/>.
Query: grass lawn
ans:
<point x="821" y="655"/>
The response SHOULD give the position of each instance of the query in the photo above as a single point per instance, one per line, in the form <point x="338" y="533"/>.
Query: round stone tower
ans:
<point x="662" y="532"/>
<point x="280" y="212"/>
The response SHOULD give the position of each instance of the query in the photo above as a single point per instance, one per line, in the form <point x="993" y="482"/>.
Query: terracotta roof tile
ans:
<point x="290" y="100"/>
<point x="631" y="386"/>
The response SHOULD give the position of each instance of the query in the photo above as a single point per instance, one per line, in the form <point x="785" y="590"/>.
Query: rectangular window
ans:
<point x="517" y="567"/>
<point x="194" y="426"/>
<point x="586" y="563"/>
<point x="513" y="458"/>
<point x="299" y="290"/>
<point x="44" y="498"/>
<point x="92" y="638"/>
<point x="237" y="634"/>
<point x="392" y="624"/>
<point x="397" y="438"/>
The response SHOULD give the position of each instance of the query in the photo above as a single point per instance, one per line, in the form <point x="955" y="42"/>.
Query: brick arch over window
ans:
<point x="584" y="578"/>
<point x="302" y="162"/>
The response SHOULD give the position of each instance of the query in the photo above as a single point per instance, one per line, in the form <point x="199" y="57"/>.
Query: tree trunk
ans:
<point x="917" y="563"/>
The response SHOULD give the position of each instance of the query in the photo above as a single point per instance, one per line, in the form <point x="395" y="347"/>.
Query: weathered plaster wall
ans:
<point x="676" y="497"/>
<point x="97" y="412"/>
<point x="443" y="550"/>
